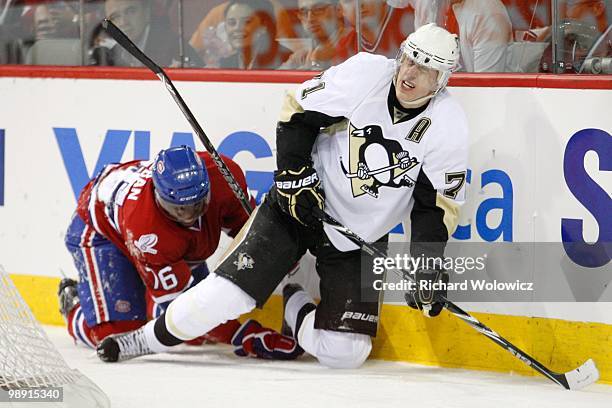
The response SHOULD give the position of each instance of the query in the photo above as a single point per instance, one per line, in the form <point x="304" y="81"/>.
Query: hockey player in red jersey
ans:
<point x="141" y="235"/>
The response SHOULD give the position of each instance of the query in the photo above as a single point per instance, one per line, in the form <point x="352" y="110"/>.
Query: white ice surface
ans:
<point x="211" y="376"/>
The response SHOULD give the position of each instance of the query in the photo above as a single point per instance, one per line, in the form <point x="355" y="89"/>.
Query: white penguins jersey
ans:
<point x="382" y="160"/>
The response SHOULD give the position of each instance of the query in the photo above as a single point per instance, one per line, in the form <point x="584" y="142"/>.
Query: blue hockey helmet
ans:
<point x="179" y="176"/>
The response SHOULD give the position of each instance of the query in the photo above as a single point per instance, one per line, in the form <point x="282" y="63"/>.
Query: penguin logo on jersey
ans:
<point x="375" y="162"/>
<point x="244" y="261"/>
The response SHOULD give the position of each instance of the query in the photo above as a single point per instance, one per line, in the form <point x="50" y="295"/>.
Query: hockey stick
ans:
<point x="578" y="378"/>
<point x="371" y="173"/>
<point x="130" y="47"/>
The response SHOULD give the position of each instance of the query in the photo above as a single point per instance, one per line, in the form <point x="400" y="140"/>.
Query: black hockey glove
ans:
<point x="423" y="298"/>
<point x="300" y="193"/>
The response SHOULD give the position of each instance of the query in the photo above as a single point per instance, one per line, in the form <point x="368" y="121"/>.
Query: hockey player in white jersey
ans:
<point x="370" y="141"/>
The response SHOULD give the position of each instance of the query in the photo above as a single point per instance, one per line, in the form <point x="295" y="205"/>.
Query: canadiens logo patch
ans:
<point x="244" y="261"/>
<point x="123" y="306"/>
<point x="146" y="243"/>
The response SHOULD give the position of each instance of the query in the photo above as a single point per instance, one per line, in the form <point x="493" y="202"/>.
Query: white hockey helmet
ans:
<point x="432" y="47"/>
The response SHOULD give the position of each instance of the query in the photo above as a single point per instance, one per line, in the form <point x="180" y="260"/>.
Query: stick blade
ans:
<point x="582" y="376"/>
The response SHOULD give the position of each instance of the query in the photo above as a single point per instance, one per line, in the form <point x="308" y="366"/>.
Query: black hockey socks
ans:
<point x="163" y="335"/>
<point x="307" y="308"/>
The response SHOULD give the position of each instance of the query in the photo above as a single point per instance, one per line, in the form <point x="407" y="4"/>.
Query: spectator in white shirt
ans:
<point x="483" y="27"/>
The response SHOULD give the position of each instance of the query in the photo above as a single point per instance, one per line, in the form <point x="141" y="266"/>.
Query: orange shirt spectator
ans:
<point x="286" y="22"/>
<point x="329" y="42"/>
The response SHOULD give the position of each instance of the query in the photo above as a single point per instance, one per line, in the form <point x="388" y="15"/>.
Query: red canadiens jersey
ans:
<point x="120" y="205"/>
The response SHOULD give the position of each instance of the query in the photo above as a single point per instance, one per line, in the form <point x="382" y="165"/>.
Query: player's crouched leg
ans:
<point x="332" y="348"/>
<point x="109" y="296"/>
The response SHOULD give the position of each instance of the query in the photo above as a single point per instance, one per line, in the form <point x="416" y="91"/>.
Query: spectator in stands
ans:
<point x="249" y="28"/>
<point x="56" y="19"/>
<point x="44" y="31"/>
<point x="207" y="39"/>
<point x="380" y="26"/>
<point x="592" y="12"/>
<point x="154" y="37"/>
<point x="483" y="27"/>
<point x="586" y="35"/>
<point x="323" y="23"/>
<point x="369" y="24"/>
